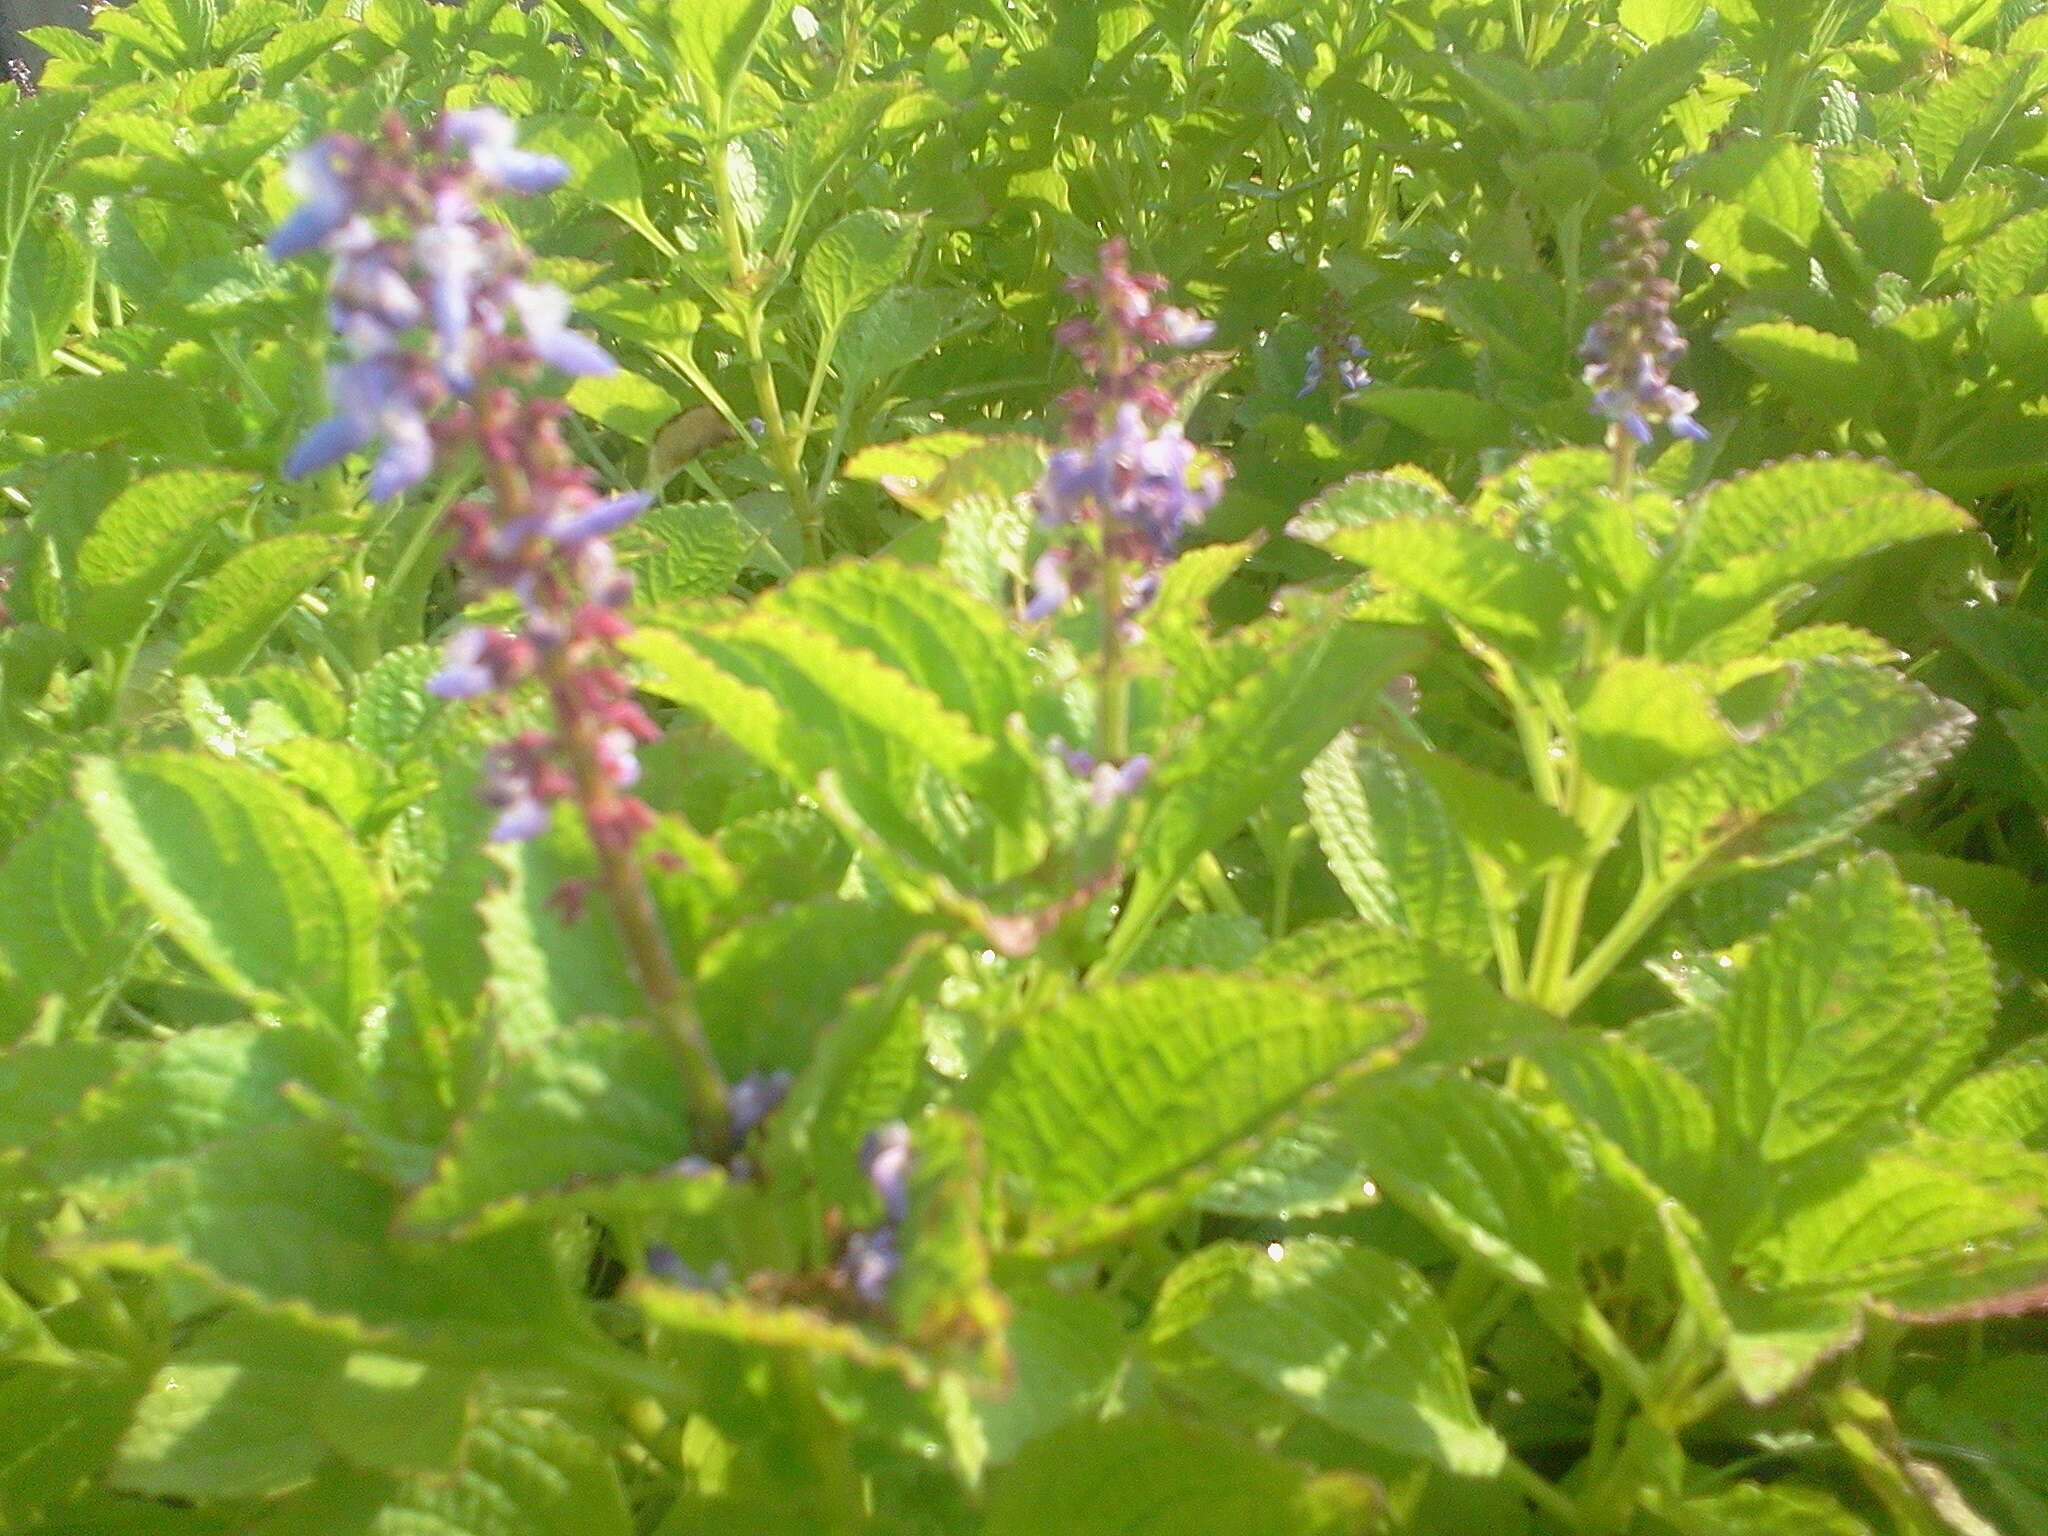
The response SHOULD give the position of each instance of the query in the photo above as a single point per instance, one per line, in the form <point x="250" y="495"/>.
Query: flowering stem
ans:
<point x="1114" y="744"/>
<point x="1624" y="449"/>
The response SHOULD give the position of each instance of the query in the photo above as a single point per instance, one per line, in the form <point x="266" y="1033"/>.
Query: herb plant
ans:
<point x="1258" y="769"/>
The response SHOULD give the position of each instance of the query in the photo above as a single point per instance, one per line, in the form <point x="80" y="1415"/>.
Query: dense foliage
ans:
<point x="1417" y="911"/>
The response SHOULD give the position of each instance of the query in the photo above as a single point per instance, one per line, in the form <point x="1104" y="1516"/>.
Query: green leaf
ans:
<point x="1476" y="577"/>
<point x="1371" y="498"/>
<point x="1146" y="1475"/>
<point x="72" y="928"/>
<point x="267" y="894"/>
<point x="1644" y="721"/>
<point x="1962" y="115"/>
<point x="1132" y="1089"/>
<point x="1762" y="209"/>
<point x="626" y="403"/>
<point x="1250" y="744"/>
<point x="237" y="607"/>
<point x="58" y="1425"/>
<point x="1656" y="20"/>
<point x="1465" y="1018"/>
<point x="1845" y="742"/>
<point x="285" y="1222"/>
<point x="524" y="1472"/>
<point x="579" y="1110"/>
<point x="1854" y="1003"/>
<point x="1392" y="845"/>
<point x="2008" y="1102"/>
<point x="714" y="40"/>
<point x="855" y="260"/>
<point x="1762" y="1509"/>
<point x="1753" y="538"/>
<point x="1826" y="374"/>
<point x="601" y="164"/>
<point x="1067" y="1351"/>
<point x="143" y="412"/>
<point x="1348" y="1334"/>
<point x="1475" y="1165"/>
<point x="142" y="542"/>
<point x="1448" y="416"/>
<point x="1640" y="1106"/>
<point x="1933" y="1231"/>
<point x="1514" y="836"/>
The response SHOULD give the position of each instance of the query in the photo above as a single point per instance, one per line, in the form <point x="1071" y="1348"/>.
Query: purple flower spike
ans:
<point x="463" y="674"/>
<point x="754" y="1097"/>
<point x="1049" y="588"/>
<point x="327" y="201"/>
<point x="871" y="1264"/>
<point x="1630" y="350"/>
<point x="408" y="456"/>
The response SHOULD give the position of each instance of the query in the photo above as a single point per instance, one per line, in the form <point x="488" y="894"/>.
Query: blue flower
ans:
<point x="327" y="200"/>
<point x="488" y="135"/>
<point x="543" y="313"/>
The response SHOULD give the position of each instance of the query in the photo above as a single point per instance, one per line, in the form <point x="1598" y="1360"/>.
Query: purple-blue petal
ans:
<point x="573" y="353"/>
<point x="521" y="170"/>
<point x="522" y="820"/>
<point x="407" y="459"/>
<point x="326" y="445"/>
<point x="603" y="517"/>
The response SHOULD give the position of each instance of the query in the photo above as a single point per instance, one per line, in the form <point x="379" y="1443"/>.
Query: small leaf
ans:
<point x="1762" y="1509"/>
<point x="1644" y="721"/>
<point x="855" y="260"/>
<point x="237" y="607"/>
<point x="1514" y="836"/>
<point x="1477" y="578"/>
<point x="266" y="893"/>
<point x="142" y="542"/>
<point x="1392" y="845"/>
<point x="714" y="40"/>
<point x="585" y="1108"/>
<point x="72" y="928"/>
<point x="1826" y="375"/>
<point x="1448" y="416"/>
<point x="1128" y="1089"/>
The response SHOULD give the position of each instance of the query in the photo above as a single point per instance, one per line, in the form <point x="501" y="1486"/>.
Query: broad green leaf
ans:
<point x="72" y="927"/>
<point x="1644" y="721"/>
<point x="601" y="164"/>
<point x="267" y="894"/>
<point x="694" y="550"/>
<point x="1962" y="116"/>
<point x="1252" y="742"/>
<point x="1372" y="498"/>
<point x="1475" y="1165"/>
<point x="1656" y="20"/>
<point x="1448" y="416"/>
<point x="626" y="403"/>
<point x="1347" y="1333"/>
<point x="545" y="974"/>
<point x="237" y="606"/>
<point x="142" y="412"/>
<point x="925" y="626"/>
<point x="1855" y="1002"/>
<point x="1845" y="742"/>
<point x="1147" y="1475"/>
<point x="189" y="1092"/>
<point x="1477" y="578"/>
<point x="285" y="1222"/>
<point x="714" y="39"/>
<point x="1465" y="1017"/>
<point x="1932" y="1230"/>
<point x="58" y="1425"/>
<point x="142" y="542"/>
<point x="1989" y="1423"/>
<point x="855" y="260"/>
<point x="824" y="133"/>
<point x="524" y="1472"/>
<point x="1640" y="1106"/>
<point x="1827" y="374"/>
<point x="2007" y="1102"/>
<point x="587" y="1107"/>
<point x="1762" y="209"/>
<point x="1392" y="845"/>
<point x="1136" y="1088"/>
<point x="1762" y="1509"/>
<point x="1068" y="1349"/>
<point x="763" y="987"/>
<point x="1787" y="525"/>
<point x="1514" y="836"/>
<point x="737" y="1318"/>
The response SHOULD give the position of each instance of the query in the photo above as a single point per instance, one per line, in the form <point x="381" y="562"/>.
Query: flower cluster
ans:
<point x="445" y="334"/>
<point x="1125" y="486"/>
<point x="871" y="1258"/>
<point x="1351" y="372"/>
<point x="1630" y="350"/>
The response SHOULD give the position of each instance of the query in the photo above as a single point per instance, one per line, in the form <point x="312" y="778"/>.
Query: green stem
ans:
<point x="787" y="452"/>
<point x="1113" y="742"/>
<point x="1544" y="1494"/>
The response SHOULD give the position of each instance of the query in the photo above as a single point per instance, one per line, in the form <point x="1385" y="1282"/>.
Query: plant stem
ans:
<point x="1544" y="1494"/>
<point x="1113" y="742"/>
<point x="787" y="451"/>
